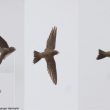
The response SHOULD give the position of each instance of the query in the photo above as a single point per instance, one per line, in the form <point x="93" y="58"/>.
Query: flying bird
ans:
<point x="48" y="55"/>
<point x="102" y="54"/>
<point x="4" y="49"/>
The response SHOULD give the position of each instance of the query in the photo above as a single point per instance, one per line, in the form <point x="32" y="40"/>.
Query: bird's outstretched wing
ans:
<point x="3" y="43"/>
<point x="52" y="39"/>
<point x="51" y="66"/>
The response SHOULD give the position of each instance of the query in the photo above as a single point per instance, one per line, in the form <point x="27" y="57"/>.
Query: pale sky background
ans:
<point x="94" y="33"/>
<point x="12" y="68"/>
<point x="40" y="17"/>
<point x="93" y="20"/>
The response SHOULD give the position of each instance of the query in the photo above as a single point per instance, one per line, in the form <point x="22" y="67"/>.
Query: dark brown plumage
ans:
<point x="4" y="49"/>
<point x="48" y="54"/>
<point x="102" y="54"/>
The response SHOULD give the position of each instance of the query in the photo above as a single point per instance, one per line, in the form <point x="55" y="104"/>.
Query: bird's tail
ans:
<point x="101" y="55"/>
<point x="1" y="60"/>
<point x="37" y="57"/>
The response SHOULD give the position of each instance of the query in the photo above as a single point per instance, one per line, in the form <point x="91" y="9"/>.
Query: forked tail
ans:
<point x="101" y="55"/>
<point x="37" y="57"/>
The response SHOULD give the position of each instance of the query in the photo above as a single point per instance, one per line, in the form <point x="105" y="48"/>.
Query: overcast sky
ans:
<point x="40" y="16"/>
<point x="11" y="69"/>
<point x="94" y="34"/>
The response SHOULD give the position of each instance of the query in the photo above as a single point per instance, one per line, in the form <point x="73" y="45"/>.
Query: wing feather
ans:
<point x="52" y="39"/>
<point x="51" y="66"/>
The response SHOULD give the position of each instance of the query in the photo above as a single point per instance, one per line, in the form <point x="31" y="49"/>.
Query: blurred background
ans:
<point x="83" y="28"/>
<point x="12" y="68"/>
<point x="94" y="34"/>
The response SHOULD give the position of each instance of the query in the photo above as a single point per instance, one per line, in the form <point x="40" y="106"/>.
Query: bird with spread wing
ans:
<point x="4" y="49"/>
<point x="48" y="54"/>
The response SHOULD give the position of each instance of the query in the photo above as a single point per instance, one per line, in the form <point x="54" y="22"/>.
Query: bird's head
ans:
<point x="12" y="49"/>
<point x="56" y="52"/>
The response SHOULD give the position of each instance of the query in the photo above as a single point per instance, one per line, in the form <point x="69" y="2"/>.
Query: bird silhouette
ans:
<point x="4" y="49"/>
<point x="48" y="55"/>
<point x="103" y="54"/>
